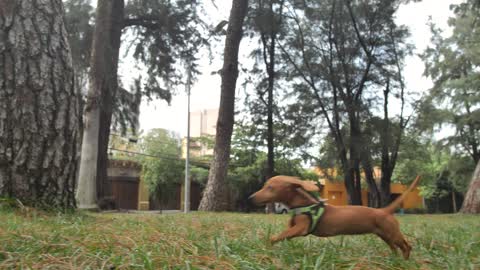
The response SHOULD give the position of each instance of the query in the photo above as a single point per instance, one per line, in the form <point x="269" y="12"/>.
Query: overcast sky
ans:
<point x="206" y="91"/>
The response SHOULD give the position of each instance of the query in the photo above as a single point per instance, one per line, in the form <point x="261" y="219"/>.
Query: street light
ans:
<point x="186" y="204"/>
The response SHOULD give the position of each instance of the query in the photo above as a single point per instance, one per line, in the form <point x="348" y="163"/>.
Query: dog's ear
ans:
<point x="306" y="185"/>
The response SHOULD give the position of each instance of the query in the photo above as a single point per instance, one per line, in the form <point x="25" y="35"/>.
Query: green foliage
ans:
<point x="163" y="37"/>
<point x="199" y="174"/>
<point x="265" y="23"/>
<point x="453" y="63"/>
<point x="249" y="159"/>
<point x="163" y="167"/>
<point x="341" y="57"/>
<point x="206" y="140"/>
<point x="78" y="21"/>
<point x="248" y="167"/>
<point x="166" y="38"/>
<point x="422" y="157"/>
<point x="223" y="241"/>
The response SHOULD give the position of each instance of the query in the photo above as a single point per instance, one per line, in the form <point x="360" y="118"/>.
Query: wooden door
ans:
<point x="125" y="191"/>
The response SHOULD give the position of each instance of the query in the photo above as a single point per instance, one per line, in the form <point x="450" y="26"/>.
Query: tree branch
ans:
<point x="147" y="21"/>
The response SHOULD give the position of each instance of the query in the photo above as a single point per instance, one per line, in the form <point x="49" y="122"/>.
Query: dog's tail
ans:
<point x="395" y="204"/>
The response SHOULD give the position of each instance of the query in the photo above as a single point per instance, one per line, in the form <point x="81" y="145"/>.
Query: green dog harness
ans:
<point x="314" y="212"/>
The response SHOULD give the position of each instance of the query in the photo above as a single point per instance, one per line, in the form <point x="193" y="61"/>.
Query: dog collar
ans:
<point x="314" y="212"/>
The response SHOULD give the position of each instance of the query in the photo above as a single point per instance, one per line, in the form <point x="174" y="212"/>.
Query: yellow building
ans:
<point x="125" y="186"/>
<point x="336" y="193"/>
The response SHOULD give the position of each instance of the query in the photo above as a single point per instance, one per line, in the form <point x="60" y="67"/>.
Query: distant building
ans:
<point x="336" y="193"/>
<point x="203" y="127"/>
<point x="203" y="123"/>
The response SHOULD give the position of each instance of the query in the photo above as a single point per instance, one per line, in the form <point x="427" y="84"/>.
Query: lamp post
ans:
<point x="186" y="204"/>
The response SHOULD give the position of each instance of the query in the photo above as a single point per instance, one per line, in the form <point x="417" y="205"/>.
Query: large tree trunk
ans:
<point x="214" y="196"/>
<point x="98" y="110"/>
<point x="39" y="108"/>
<point x="471" y="204"/>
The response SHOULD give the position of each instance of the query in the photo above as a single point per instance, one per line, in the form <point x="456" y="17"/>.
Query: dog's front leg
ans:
<point x="298" y="226"/>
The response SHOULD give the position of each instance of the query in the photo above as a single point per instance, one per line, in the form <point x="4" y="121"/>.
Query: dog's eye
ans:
<point x="269" y="187"/>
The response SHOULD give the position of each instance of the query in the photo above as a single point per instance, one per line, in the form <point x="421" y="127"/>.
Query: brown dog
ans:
<point x="335" y="220"/>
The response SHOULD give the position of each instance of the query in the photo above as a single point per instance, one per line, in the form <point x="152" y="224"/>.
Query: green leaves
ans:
<point x="453" y="63"/>
<point x="165" y="34"/>
<point x="163" y="166"/>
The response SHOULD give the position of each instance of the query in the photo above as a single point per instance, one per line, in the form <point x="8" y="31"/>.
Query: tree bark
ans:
<point x="98" y="110"/>
<point x="454" y="201"/>
<point x="353" y="181"/>
<point x="39" y="107"/>
<point x="471" y="204"/>
<point x="385" y="180"/>
<point x="353" y="188"/>
<point x="373" y="192"/>
<point x="214" y="196"/>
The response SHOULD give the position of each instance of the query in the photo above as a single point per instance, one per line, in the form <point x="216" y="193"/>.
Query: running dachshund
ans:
<point x="313" y="216"/>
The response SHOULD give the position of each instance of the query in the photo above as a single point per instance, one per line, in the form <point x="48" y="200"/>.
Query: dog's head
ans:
<point x="281" y="189"/>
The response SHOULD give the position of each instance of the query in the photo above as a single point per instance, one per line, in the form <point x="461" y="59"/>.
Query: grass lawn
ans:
<point x="37" y="240"/>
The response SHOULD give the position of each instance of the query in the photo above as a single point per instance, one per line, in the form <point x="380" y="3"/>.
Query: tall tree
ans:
<point x="80" y="24"/>
<point x="343" y="54"/>
<point x="267" y="21"/>
<point x="39" y="107"/>
<point x="453" y="63"/>
<point x="164" y="32"/>
<point x="99" y="105"/>
<point x="162" y="166"/>
<point x="214" y="195"/>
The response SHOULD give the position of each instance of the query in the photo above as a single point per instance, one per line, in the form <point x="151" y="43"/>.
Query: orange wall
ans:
<point x="337" y="195"/>
<point x="334" y="193"/>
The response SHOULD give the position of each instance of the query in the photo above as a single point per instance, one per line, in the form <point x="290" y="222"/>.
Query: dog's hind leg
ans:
<point x="389" y="242"/>
<point x="404" y="246"/>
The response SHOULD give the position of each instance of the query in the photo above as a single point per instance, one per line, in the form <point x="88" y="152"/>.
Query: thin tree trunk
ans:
<point x="355" y="195"/>
<point x="374" y="193"/>
<point x="39" y="107"/>
<point x="103" y="86"/>
<point x="454" y="201"/>
<point x="270" y="134"/>
<point x="269" y="59"/>
<point x="215" y="193"/>
<point x="353" y="188"/>
<point x="471" y="203"/>
<point x="385" y="180"/>
<point x="109" y="93"/>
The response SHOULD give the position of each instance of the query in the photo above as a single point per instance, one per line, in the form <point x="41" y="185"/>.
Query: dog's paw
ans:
<point x="273" y="240"/>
